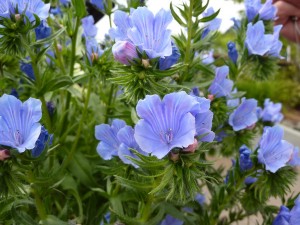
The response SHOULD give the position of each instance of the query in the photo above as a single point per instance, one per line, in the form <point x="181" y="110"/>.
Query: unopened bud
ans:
<point x="124" y="52"/>
<point x="211" y="97"/>
<point x="17" y="17"/>
<point x="94" y="56"/>
<point x="146" y="63"/>
<point x="4" y="154"/>
<point x="191" y="148"/>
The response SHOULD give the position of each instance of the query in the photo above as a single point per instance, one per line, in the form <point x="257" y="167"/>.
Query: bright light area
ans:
<point x="228" y="8"/>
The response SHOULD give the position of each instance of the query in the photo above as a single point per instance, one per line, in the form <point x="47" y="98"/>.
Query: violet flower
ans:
<point x="266" y="11"/>
<point x="89" y="29"/>
<point x="245" y="160"/>
<point x="124" y="52"/>
<point x="271" y="112"/>
<point x="42" y="31"/>
<point x="221" y="86"/>
<point x="288" y="217"/>
<point x="212" y="25"/>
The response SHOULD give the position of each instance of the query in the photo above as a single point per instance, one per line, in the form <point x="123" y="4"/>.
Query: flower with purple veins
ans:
<point x="5" y="8"/>
<point x="212" y="25"/>
<point x="42" y="31"/>
<point x="287" y="216"/>
<point x="126" y="138"/>
<point x="244" y="115"/>
<point x="19" y="122"/>
<point x="266" y="11"/>
<point x="89" y="29"/>
<point x="109" y="142"/>
<point x="221" y="86"/>
<point x="245" y="160"/>
<point x="271" y="112"/>
<point x="124" y="52"/>
<point x="274" y="152"/>
<point x="165" y="124"/>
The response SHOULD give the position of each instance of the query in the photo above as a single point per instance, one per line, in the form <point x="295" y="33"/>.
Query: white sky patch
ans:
<point x="228" y="10"/>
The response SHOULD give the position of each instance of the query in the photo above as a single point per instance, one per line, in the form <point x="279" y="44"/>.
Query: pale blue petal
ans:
<point x="271" y="137"/>
<point x="295" y="160"/>
<point x="203" y="126"/>
<point x="123" y="23"/>
<point x="106" y="151"/>
<point x="267" y="11"/>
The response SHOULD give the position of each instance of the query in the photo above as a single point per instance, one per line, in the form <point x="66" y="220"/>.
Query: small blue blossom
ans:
<point x="244" y="115"/>
<point x="250" y="180"/>
<point x="212" y="25"/>
<point x="200" y="199"/>
<point x="27" y="69"/>
<point x="41" y="142"/>
<point x="195" y="92"/>
<point x="232" y="52"/>
<point x="169" y="220"/>
<point x="99" y="4"/>
<point x="259" y="43"/>
<point x="93" y="50"/>
<point x="221" y="86"/>
<point x="124" y="52"/>
<point x="288" y="217"/>
<point x="56" y="11"/>
<point x="165" y="124"/>
<point x="274" y="152"/>
<point x="245" y="160"/>
<point x="126" y="138"/>
<point x="109" y="145"/>
<point x="295" y="160"/>
<point x="271" y="112"/>
<point x="51" y="108"/>
<point x="168" y="61"/>
<point x="19" y="122"/>
<point x="208" y="57"/>
<point x="266" y="11"/>
<point x="42" y="31"/>
<point x="233" y="102"/>
<point x="89" y="29"/>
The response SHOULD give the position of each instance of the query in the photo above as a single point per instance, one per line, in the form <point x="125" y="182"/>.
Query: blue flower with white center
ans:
<point x="212" y="25"/>
<point x="244" y="115"/>
<point x="109" y="142"/>
<point x="147" y="32"/>
<point x="126" y="137"/>
<point x="295" y="160"/>
<point x="287" y="216"/>
<point x="221" y="86"/>
<point x="41" y="142"/>
<point x="89" y="29"/>
<point x="165" y="124"/>
<point x="42" y="31"/>
<point x="259" y="43"/>
<point x="19" y="122"/>
<point x="271" y="112"/>
<point x="99" y="4"/>
<point x="274" y="152"/>
<point x="232" y="52"/>
<point x="266" y="11"/>
<point x="93" y="50"/>
<point x="245" y="160"/>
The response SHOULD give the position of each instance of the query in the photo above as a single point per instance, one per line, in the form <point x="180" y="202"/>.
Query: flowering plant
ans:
<point x="127" y="131"/>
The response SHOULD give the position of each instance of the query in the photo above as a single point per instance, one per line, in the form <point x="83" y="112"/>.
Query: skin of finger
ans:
<point x="289" y="32"/>
<point x="295" y="3"/>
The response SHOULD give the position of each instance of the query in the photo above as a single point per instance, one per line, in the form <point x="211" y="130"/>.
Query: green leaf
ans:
<point x="54" y="84"/>
<point x="53" y="220"/>
<point x="79" y="7"/>
<point x="176" y="17"/>
<point x="209" y="18"/>
<point x="21" y="217"/>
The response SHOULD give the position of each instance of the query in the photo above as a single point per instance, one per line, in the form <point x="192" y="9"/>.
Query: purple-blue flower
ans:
<point x="208" y="57"/>
<point x="65" y="2"/>
<point x="98" y="3"/>
<point x="89" y="29"/>
<point x="274" y="152"/>
<point x="147" y="32"/>
<point x="126" y="138"/>
<point x="41" y="142"/>
<point x="124" y="52"/>
<point x="271" y="112"/>
<point x="232" y="52"/>
<point x="165" y="124"/>
<point x="212" y="25"/>
<point x="169" y="220"/>
<point x="19" y="122"/>
<point x="266" y="11"/>
<point x="93" y="50"/>
<point x="14" y="92"/>
<point x="259" y="43"/>
<point x="288" y="217"/>
<point x="5" y="8"/>
<point x="168" y="61"/>
<point x="244" y="115"/>
<point x="42" y="31"/>
<point x="109" y="145"/>
<point x="295" y="159"/>
<point x="250" y="180"/>
<point x="233" y="102"/>
<point x="221" y="86"/>
<point x="245" y="160"/>
<point x="27" y="69"/>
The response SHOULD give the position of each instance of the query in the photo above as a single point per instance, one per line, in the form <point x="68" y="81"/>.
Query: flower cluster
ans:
<point x="271" y="112"/>
<point x="287" y="216"/>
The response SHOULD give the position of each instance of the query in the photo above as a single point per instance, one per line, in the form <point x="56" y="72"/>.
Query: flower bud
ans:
<point x="17" y="17"/>
<point x="191" y="148"/>
<point x="4" y="154"/>
<point x="211" y="97"/>
<point x="124" y="51"/>
<point x="146" y="63"/>
<point x="232" y="52"/>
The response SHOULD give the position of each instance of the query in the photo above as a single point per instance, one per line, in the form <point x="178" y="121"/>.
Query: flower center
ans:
<point x="167" y="136"/>
<point x="18" y="138"/>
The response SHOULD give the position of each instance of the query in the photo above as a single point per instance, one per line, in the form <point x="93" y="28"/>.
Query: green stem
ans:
<point x="81" y="122"/>
<point x="187" y="59"/>
<point x="146" y="210"/>
<point x="110" y="100"/>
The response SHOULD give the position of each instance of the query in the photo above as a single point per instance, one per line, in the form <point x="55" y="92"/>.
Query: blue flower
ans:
<point x="109" y="145"/>
<point x="265" y="11"/>
<point x="245" y="160"/>
<point x="200" y="199"/>
<point x="271" y="112"/>
<point x="126" y="138"/>
<point x="250" y="180"/>
<point x="232" y="102"/>
<point x="195" y="92"/>
<point x="236" y="23"/>
<point x="169" y="220"/>
<point x="5" y="8"/>
<point x="208" y="57"/>
<point x="274" y="152"/>
<point x="98" y="3"/>
<point x="146" y="31"/>
<point x="244" y="115"/>
<point x="65" y="2"/>
<point x="27" y="69"/>
<point x="295" y="160"/>
<point x="232" y="52"/>
<point x="89" y="29"/>
<point x="259" y="43"/>
<point x="168" y="61"/>
<point x="93" y="50"/>
<point x="124" y="52"/>
<point x="51" y="108"/>
<point x="287" y="217"/>
<point x="212" y="25"/>
<point x="165" y="124"/>
<point x="14" y="92"/>
<point x="42" y="31"/>
<point x="221" y="86"/>
<point x="41" y="142"/>
<point x="19" y="122"/>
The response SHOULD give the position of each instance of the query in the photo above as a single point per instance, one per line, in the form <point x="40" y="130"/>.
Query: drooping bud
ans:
<point x="4" y="154"/>
<point x="124" y="51"/>
<point x="232" y="52"/>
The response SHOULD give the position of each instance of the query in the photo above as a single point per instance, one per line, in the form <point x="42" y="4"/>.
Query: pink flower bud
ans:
<point x="192" y="148"/>
<point x="124" y="51"/>
<point x="211" y="97"/>
<point x="4" y="154"/>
